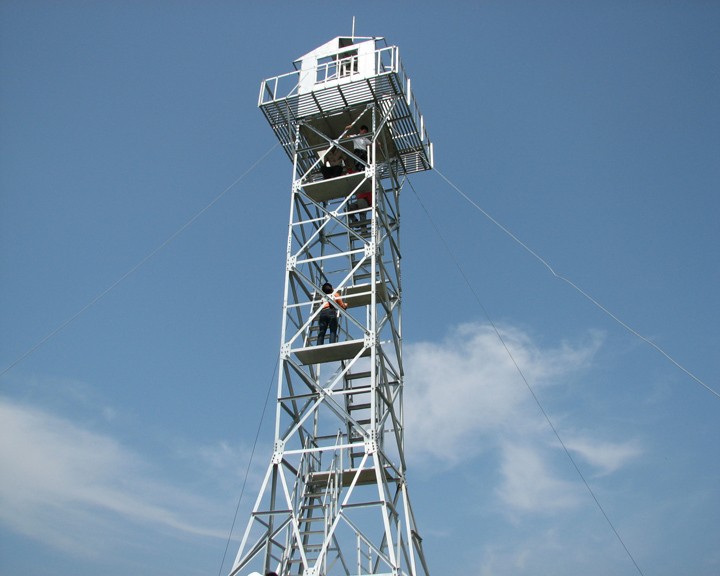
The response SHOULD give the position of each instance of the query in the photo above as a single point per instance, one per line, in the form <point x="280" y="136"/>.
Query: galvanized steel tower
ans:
<point x="334" y="499"/>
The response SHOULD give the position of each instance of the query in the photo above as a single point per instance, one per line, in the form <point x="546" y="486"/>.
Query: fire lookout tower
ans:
<point x="334" y="499"/>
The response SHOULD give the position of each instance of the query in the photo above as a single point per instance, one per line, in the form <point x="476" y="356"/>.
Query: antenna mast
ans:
<point x="334" y="499"/>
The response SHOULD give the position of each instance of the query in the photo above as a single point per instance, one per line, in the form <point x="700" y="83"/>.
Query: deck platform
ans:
<point x="331" y="352"/>
<point x="366" y="476"/>
<point x="359" y="294"/>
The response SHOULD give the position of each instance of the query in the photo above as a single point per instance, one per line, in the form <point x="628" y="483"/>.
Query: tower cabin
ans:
<point x="330" y="88"/>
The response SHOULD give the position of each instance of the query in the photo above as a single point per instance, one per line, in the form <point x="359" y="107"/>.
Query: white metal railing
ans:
<point x="386" y="60"/>
<point x="334" y="69"/>
<point x="412" y="104"/>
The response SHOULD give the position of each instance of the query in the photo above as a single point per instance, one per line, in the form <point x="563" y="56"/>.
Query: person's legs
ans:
<point x="362" y="154"/>
<point x="323" y="322"/>
<point x="361" y="204"/>
<point x="333" y="322"/>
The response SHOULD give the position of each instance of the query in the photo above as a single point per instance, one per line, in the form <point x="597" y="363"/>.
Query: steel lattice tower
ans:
<point x="334" y="500"/>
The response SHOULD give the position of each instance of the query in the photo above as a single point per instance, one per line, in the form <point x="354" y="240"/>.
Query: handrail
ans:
<point x="286" y="85"/>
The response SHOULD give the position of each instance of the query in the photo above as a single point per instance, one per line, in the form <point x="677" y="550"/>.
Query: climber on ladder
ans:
<point x="329" y="316"/>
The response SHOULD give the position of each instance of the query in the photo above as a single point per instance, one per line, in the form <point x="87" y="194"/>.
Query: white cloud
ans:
<point x="67" y="486"/>
<point x="225" y="464"/>
<point x="461" y="393"/>
<point x="607" y="456"/>
<point x="464" y="396"/>
<point x="528" y="483"/>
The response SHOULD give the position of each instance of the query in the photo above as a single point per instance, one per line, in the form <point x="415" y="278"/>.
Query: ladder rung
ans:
<point x="359" y="390"/>
<point x="311" y="519"/>
<point x="363" y="406"/>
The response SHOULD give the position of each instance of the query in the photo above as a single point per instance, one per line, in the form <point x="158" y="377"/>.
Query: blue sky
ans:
<point x="590" y="130"/>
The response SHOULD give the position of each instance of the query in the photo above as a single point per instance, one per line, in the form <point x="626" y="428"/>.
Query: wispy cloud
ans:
<point x="528" y="483"/>
<point x="68" y="487"/>
<point x="464" y="391"/>
<point x="465" y="397"/>
<point x="605" y="457"/>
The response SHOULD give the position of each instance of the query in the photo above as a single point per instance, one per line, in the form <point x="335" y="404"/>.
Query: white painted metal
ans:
<point x="334" y="499"/>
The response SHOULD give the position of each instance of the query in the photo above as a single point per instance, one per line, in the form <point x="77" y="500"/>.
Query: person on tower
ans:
<point x="361" y="143"/>
<point x="333" y="164"/>
<point x="329" y="316"/>
<point x="363" y="201"/>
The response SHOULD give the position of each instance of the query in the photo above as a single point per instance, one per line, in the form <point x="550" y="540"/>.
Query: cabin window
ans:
<point x="348" y="63"/>
<point x="336" y="66"/>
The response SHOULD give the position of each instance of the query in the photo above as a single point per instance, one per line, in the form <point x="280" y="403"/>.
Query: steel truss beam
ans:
<point x="334" y="497"/>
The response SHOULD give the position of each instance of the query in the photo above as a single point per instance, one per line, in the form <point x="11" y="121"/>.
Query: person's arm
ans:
<point x="340" y="302"/>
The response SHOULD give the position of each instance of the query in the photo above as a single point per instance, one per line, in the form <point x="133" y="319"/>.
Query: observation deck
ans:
<point x="331" y="87"/>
